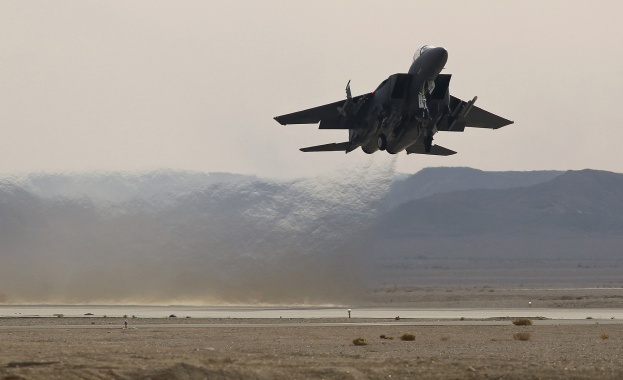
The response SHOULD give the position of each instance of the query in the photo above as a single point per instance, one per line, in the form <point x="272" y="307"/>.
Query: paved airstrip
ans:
<point x="271" y="317"/>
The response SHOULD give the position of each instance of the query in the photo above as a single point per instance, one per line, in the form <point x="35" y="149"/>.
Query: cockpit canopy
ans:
<point x="421" y="50"/>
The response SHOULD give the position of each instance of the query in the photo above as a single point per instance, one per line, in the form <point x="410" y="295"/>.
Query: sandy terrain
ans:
<point x="439" y="352"/>
<point x="148" y="351"/>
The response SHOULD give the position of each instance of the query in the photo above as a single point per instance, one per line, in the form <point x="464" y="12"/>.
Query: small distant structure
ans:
<point x="349" y="313"/>
<point x="529" y="303"/>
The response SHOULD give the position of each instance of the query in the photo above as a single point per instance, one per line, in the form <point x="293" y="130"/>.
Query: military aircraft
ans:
<point x="403" y="113"/>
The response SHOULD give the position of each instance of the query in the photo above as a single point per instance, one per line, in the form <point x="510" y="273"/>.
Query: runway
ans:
<point x="73" y="317"/>
<point x="277" y="324"/>
<point x="304" y="312"/>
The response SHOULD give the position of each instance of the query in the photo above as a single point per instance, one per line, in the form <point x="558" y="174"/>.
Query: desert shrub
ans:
<point x="360" y="342"/>
<point x="383" y="336"/>
<point x="462" y="318"/>
<point x="125" y="315"/>
<point x="589" y="317"/>
<point x="522" y="322"/>
<point x="604" y="336"/>
<point x="521" y="336"/>
<point x="407" y="337"/>
<point x="444" y="338"/>
<point x="172" y="316"/>
<point x="397" y="318"/>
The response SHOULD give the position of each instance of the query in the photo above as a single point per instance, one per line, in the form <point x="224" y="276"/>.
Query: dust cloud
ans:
<point x="240" y="241"/>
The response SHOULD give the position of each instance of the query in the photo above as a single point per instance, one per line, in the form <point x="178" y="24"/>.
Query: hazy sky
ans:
<point x="138" y="85"/>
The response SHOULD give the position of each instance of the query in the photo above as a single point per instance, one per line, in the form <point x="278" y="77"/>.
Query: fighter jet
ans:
<point x="403" y="113"/>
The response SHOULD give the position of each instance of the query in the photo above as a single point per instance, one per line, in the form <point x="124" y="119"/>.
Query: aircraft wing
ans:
<point x="475" y="117"/>
<point x="314" y="115"/>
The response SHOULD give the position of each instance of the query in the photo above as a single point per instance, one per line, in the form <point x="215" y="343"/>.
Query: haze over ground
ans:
<point x="194" y="85"/>
<point x="329" y="239"/>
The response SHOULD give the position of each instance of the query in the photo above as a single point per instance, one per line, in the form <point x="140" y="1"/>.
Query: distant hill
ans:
<point x="567" y="230"/>
<point x="431" y="181"/>
<point x="576" y="202"/>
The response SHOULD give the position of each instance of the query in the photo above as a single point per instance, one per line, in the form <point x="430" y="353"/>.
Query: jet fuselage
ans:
<point x="403" y="113"/>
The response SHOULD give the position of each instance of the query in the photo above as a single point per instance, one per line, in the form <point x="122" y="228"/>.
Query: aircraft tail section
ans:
<point x="435" y="150"/>
<point x="333" y="147"/>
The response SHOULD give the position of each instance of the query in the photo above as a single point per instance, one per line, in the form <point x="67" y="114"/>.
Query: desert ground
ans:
<point x="171" y="348"/>
<point x="431" y="297"/>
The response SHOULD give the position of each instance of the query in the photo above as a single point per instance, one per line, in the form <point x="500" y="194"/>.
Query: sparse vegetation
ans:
<point x="397" y="318"/>
<point x="172" y="316"/>
<point x="522" y="322"/>
<point x="407" y="337"/>
<point x="445" y="338"/>
<point x="383" y="336"/>
<point x="604" y="336"/>
<point x="125" y="315"/>
<point x="360" y="342"/>
<point x="589" y="317"/>
<point x="462" y="318"/>
<point x="133" y="316"/>
<point x="521" y="336"/>
<point x="59" y="315"/>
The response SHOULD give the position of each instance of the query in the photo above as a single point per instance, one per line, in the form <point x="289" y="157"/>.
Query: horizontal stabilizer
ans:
<point x="333" y="147"/>
<point x="435" y="150"/>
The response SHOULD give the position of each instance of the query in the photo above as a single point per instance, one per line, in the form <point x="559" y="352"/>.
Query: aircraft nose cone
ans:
<point x="440" y="54"/>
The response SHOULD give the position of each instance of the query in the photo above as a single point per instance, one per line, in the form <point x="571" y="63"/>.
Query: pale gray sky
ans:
<point x="139" y="85"/>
